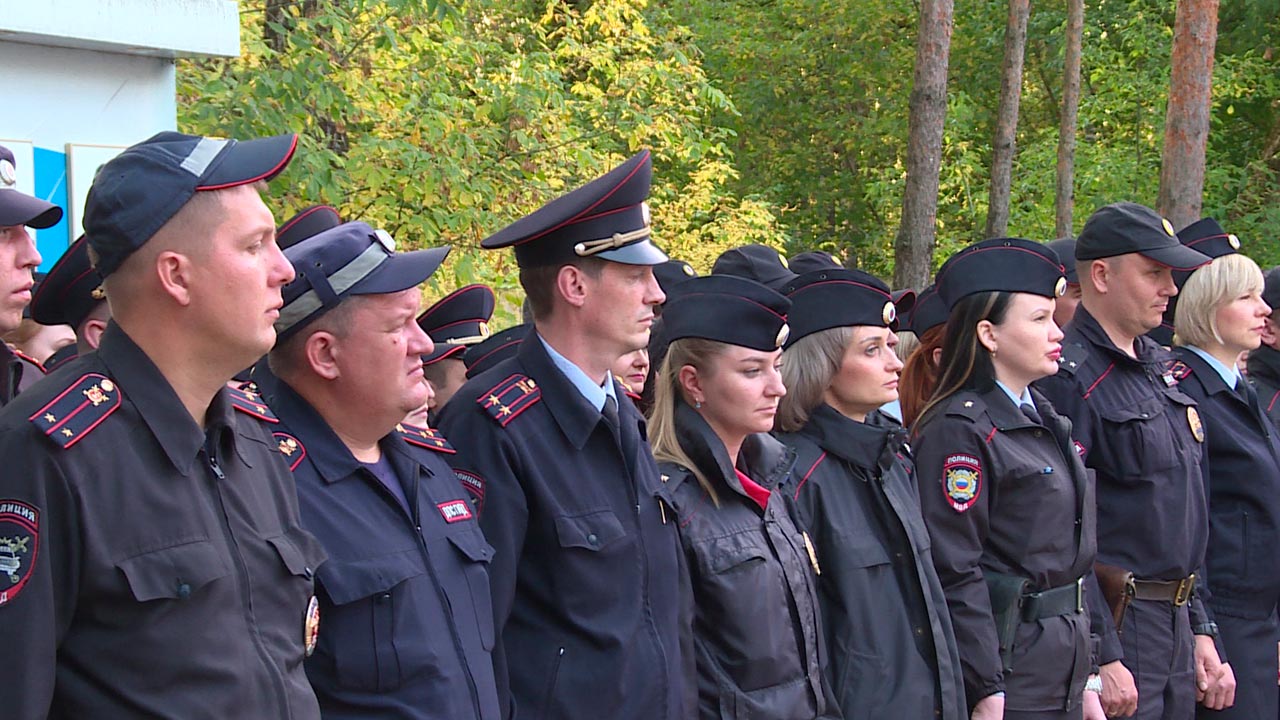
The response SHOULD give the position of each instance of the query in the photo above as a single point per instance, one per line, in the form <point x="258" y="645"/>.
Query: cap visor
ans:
<point x="401" y="271"/>
<point x="442" y="351"/>
<point x="1178" y="257"/>
<point x="18" y="208"/>
<point x="641" y="253"/>
<point x="250" y="161"/>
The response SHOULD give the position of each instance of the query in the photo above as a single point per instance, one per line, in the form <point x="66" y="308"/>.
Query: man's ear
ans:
<point x="1101" y="273"/>
<point x="174" y="271"/>
<point x="321" y="350"/>
<point x="571" y="284"/>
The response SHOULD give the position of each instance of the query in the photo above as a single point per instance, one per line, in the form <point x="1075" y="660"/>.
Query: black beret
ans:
<point x="727" y="309"/>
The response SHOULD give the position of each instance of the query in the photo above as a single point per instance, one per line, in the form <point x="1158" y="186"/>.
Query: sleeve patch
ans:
<point x="291" y="448"/>
<point x="510" y="397"/>
<point x="424" y="437"/>
<point x="19" y="545"/>
<point x="248" y="402"/>
<point x="962" y="480"/>
<point x="76" y="411"/>
<point x="473" y="484"/>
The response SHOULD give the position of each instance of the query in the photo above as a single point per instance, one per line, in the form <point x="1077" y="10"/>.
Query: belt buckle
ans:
<point x="1079" y="595"/>
<point x="1183" y="593"/>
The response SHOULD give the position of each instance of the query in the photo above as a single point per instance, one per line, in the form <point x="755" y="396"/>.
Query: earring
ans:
<point x="697" y="404"/>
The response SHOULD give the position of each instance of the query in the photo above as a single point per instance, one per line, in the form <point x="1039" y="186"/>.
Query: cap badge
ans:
<point x="484" y="329"/>
<point x="98" y="293"/>
<point x="1234" y="242"/>
<point x="783" y="333"/>
<point x="1168" y="226"/>
<point x="783" y="259"/>
<point x="385" y="239"/>
<point x="687" y="269"/>
<point x="646" y="217"/>
<point x="890" y="313"/>
<point x="8" y="173"/>
<point x="1060" y="288"/>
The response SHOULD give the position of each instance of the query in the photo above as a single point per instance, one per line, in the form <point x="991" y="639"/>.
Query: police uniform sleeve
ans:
<point x="487" y="460"/>
<point x="953" y="468"/>
<point x="39" y="534"/>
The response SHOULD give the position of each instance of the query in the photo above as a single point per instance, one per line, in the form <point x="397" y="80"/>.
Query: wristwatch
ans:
<point x="1209" y="628"/>
<point x="1093" y="684"/>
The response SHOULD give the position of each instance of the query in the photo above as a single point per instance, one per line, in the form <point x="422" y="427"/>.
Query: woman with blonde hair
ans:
<point x="751" y="566"/>
<point x="888" y="633"/>
<point x="1008" y="502"/>
<point x="1220" y="314"/>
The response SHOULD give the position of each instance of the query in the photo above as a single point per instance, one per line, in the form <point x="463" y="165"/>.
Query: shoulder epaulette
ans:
<point x="1072" y="358"/>
<point x="1179" y="370"/>
<point x="510" y="397"/>
<point x="78" y="409"/>
<point x="424" y="437"/>
<point x="970" y="407"/>
<point x="291" y="448"/>
<point x="250" y="403"/>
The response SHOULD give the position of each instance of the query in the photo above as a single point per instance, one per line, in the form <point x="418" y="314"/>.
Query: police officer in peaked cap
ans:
<point x="586" y="577"/>
<point x="455" y="322"/>
<point x="73" y="294"/>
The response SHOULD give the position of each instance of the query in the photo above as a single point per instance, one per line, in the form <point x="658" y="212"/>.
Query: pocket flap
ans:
<point x="473" y="545"/>
<point x="592" y="531"/>
<point x="174" y="572"/>
<point x="733" y="550"/>
<point x="299" y="551"/>
<point x="1144" y="409"/>
<point x="346" y="581"/>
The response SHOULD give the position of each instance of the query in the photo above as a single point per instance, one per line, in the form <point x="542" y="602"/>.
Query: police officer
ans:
<point x="457" y="321"/>
<point x="756" y="626"/>
<point x="407" y="627"/>
<point x="1008" y="502"/>
<point x="1221" y="314"/>
<point x="18" y="259"/>
<point x="1064" y="308"/>
<point x="72" y="294"/>
<point x="497" y="347"/>
<point x="155" y="561"/>
<point x="892" y="649"/>
<point x="1142" y="436"/>
<point x="308" y="222"/>
<point x="585" y="580"/>
<point x="1264" y="362"/>
<point x="761" y="263"/>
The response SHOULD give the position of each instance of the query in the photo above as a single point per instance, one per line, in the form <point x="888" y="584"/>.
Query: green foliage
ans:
<point x="442" y="123"/>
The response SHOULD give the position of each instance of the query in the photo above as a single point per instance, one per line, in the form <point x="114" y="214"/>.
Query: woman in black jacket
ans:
<point x="887" y="630"/>
<point x="1008" y="502"/>
<point x="751" y="567"/>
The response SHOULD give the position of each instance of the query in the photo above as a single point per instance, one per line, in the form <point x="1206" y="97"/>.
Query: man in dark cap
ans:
<point x="1142" y="436"/>
<point x="493" y="350"/>
<point x="156" y="563"/>
<point x="456" y="322"/>
<point x="755" y="262"/>
<point x="585" y="580"/>
<point x="1264" y="363"/>
<point x="18" y="260"/>
<point x="1064" y="308"/>
<point x="404" y="596"/>
<point x="72" y="294"/>
<point x="307" y="223"/>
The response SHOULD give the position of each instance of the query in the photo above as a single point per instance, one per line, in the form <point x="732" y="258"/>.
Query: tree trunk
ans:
<point x="1015" y="50"/>
<point x="913" y="248"/>
<point x="1186" y="125"/>
<point x="1065" y="198"/>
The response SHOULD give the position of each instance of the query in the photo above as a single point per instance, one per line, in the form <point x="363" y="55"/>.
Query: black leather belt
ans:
<point x="1062" y="600"/>
<point x="1177" y="592"/>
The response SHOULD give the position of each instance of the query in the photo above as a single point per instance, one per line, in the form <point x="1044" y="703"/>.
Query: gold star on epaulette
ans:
<point x="492" y="400"/>
<point x="67" y="432"/>
<point x="49" y="418"/>
<point x="968" y="403"/>
<point x="504" y="410"/>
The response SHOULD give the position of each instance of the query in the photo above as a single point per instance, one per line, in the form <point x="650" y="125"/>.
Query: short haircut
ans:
<point x="286" y="358"/>
<point x="1206" y="291"/>
<point x="539" y="283"/>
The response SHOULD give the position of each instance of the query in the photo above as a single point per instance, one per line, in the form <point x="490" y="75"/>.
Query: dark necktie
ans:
<point x="1030" y="411"/>
<point x="610" y="412"/>
<point x="1246" y="391"/>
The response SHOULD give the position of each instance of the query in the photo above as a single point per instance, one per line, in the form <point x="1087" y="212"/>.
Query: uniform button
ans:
<point x="593" y="540"/>
<point x="308" y="573"/>
<point x="384" y="597"/>
<point x="919" y="632"/>
<point x="184" y="591"/>
<point x="1144" y="415"/>
<point x="1039" y="433"/>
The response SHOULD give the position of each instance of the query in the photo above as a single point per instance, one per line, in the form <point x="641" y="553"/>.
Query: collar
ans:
<point x="157" y="402"/>
<point x="1003" y="410"/>
<point x="568" y="406"/>
<point x="893" y="409"/>
<point x="329" y="455"/>
<point x="1017" y="401"/>
<point x="765" y="460"/>
<point x="1229" y="375"/>
<point x="1146" y="349"/>
<point x="862" y="445"/>
<point x="595" y="394"/>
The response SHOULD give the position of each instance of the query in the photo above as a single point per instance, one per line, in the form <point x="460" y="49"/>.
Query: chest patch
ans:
<point x="473" y="484"/>
<point x="1197" y="427"/>
<point x="962" y="480"/>
<point x="455" y="511"/>
<point x="19" y="545"/>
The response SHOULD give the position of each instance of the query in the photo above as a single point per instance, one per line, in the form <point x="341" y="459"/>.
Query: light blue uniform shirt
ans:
<point x="1230" y="375"/>
<point x="1017" y="401"/>
<point x="595" y="394"/>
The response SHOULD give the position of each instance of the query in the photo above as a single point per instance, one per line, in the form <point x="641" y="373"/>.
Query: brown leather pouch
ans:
<point x="1117" y="589"/>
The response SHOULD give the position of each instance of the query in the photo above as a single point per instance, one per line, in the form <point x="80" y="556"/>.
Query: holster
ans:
<point x="1006" y="608"/>
<point x="1118" y="590"/>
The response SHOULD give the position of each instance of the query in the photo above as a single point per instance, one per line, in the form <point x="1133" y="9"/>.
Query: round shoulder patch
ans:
<point x="19" y="545"/>
<point x="962" y="480"/>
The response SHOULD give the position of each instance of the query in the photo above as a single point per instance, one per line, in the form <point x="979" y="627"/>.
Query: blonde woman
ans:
<point x="888" y="633"/>
<point x="751" y="567"/>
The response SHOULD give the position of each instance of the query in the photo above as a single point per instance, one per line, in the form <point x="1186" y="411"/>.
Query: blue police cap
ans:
<point x="70" y="291"/>
<point x="457" y="320"/>
<point x="1125" y="227"/>
<point x="18" y="208"/>
<point x="728" y="309"/>
<point x="135" y="193"/>
<point x="1003" y="265"/>
<point x="807" y="262"/>
<point x="350" y="259"/>
<point x="672" y="273"/>
<point x="495" y="349"/>
<point x="607" y="218"/>
<point x="311" y="221"/>
<point x="760" y="263"/>
<point x="835" y="297"/>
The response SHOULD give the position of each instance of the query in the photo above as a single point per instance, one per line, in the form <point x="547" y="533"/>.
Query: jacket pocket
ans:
<point x="592" y="531"/>
<point x="476" y="554"/>
<point x="359" y="631"/>
<point x="1139" y="437"/>
<point x="174" y="573"/>
<point x="300" y="552"/>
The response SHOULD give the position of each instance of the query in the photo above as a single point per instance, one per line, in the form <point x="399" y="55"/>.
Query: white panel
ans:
<point x="83" y="162"/>
<point x="147" y="27"/>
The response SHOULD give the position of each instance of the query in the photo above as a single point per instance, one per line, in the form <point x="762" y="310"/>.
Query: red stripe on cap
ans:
<point x="268" y="174"/>
<point x="501" y="347"/>
<point x="876" y="290"/>
<point x="1207" y="238"/>
<point x="306" y="214"/>
<point x="1060" y="268"/>
<point x="580" y="216"/>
